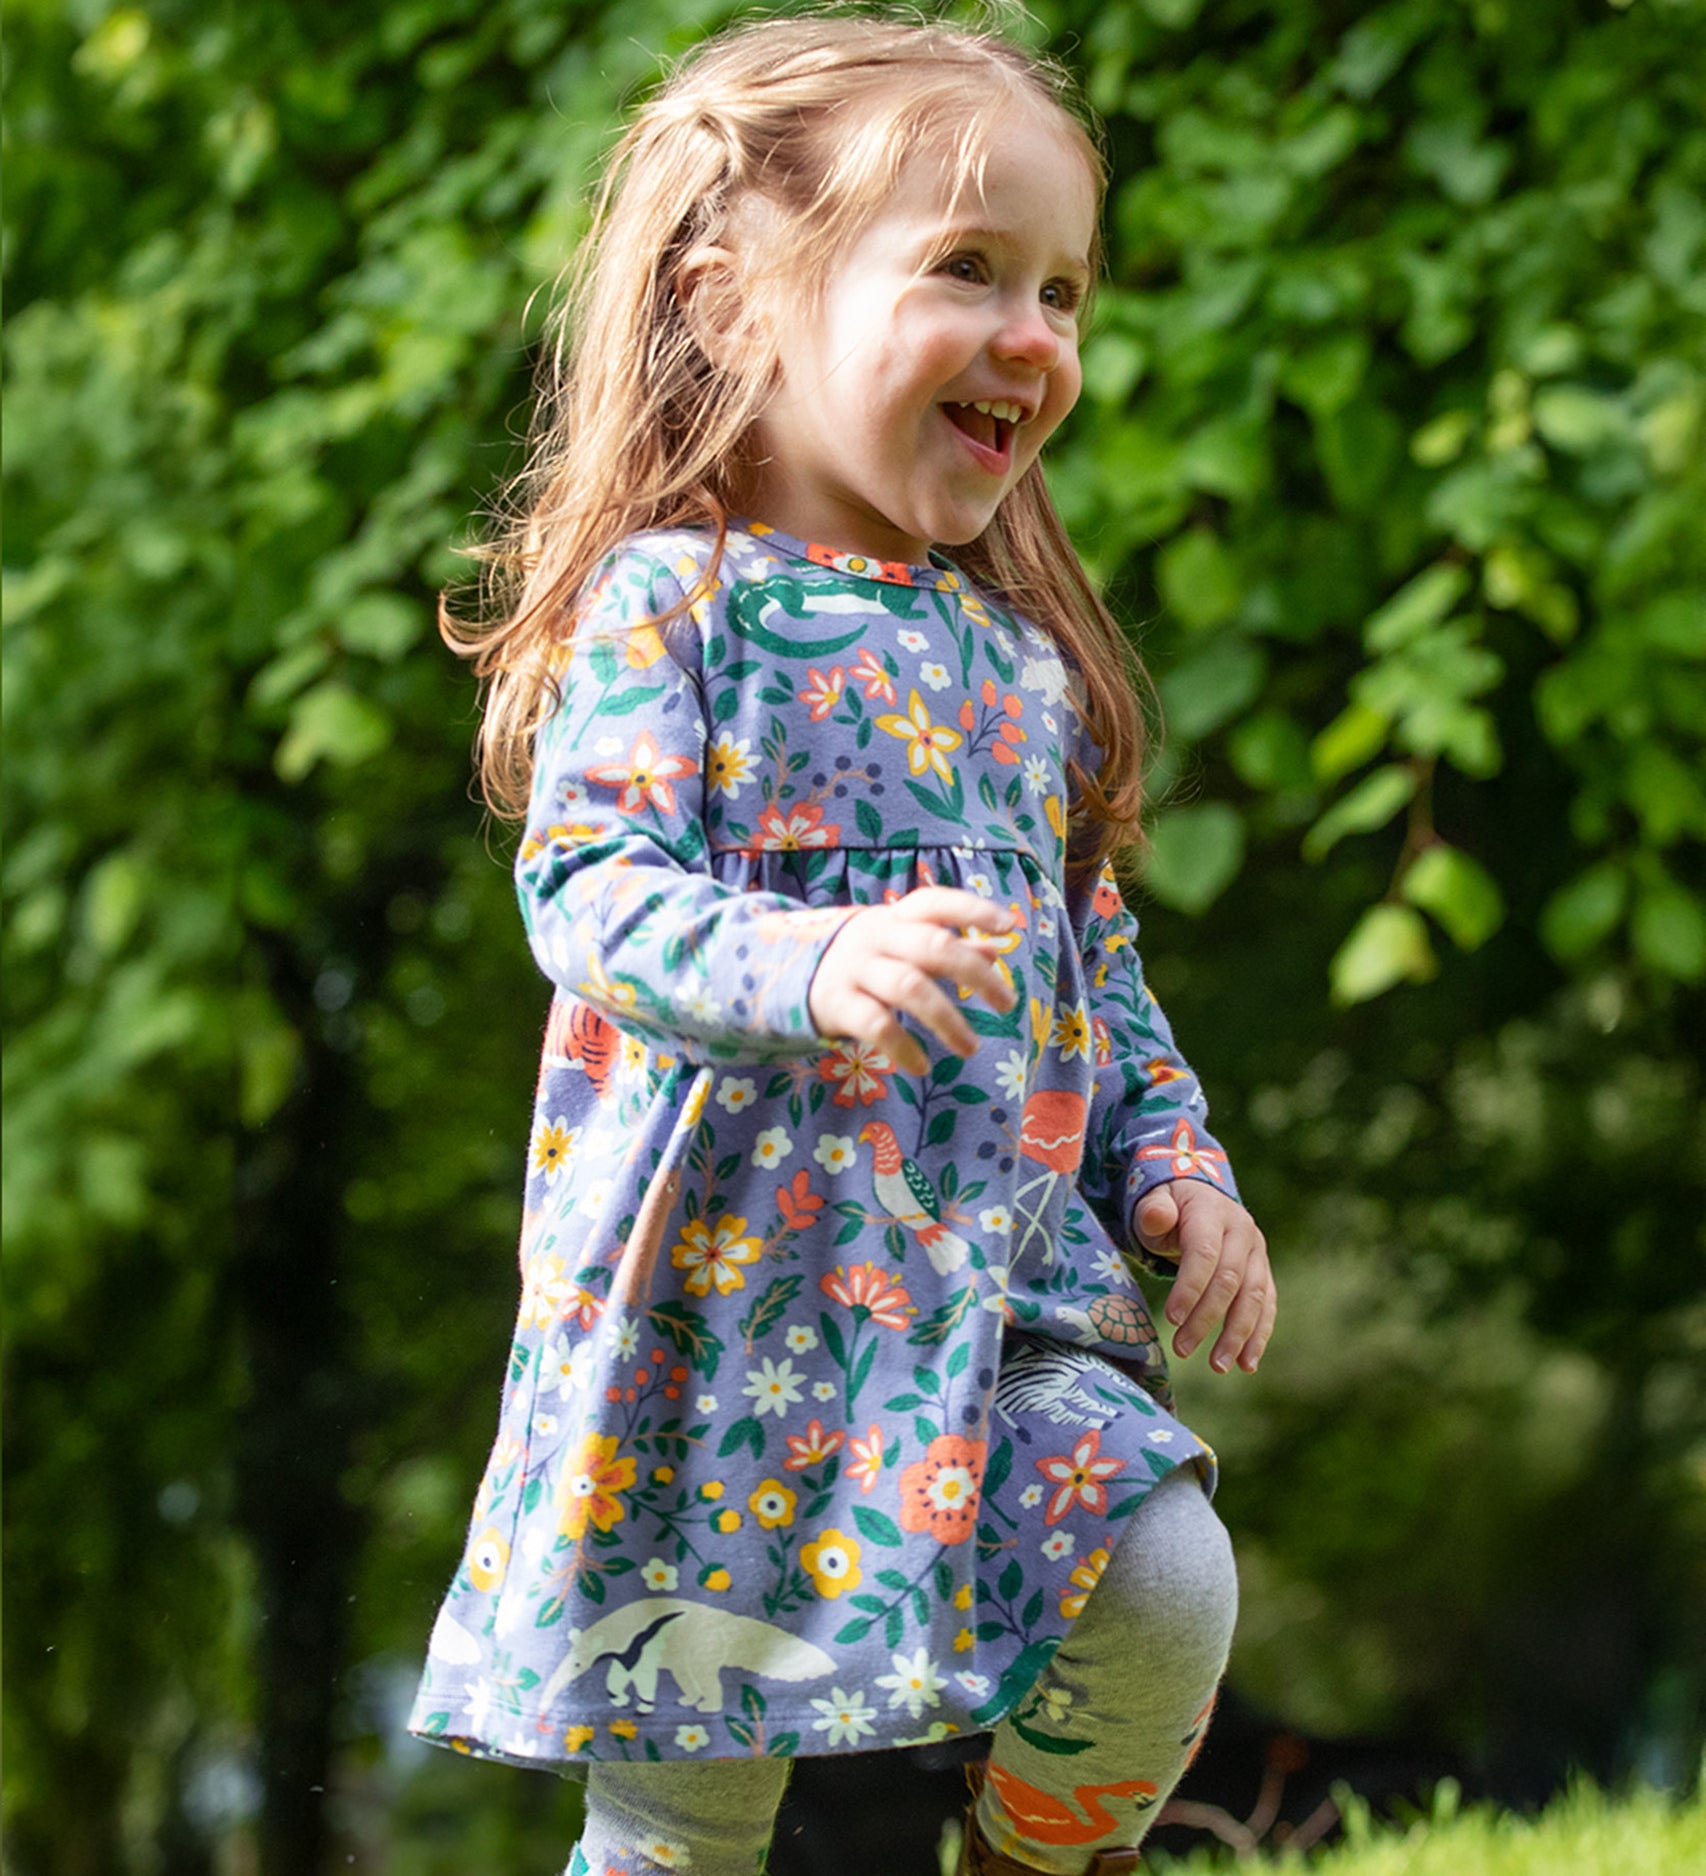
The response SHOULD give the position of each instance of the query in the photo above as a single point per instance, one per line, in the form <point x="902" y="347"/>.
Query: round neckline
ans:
<point x="939" y="574"/>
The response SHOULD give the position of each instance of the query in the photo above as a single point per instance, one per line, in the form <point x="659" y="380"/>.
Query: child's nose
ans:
<point x="1027" y="338"/>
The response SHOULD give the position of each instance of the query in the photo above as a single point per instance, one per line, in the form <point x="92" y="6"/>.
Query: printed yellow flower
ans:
<point x="623" y="1729"/>
<point x="604" y="991"/>
<point x="488" y="1557"/>
<point x="644" y="647"/>
<point x="726" y="1520"/>
<point x="832" y="1563"/>
<point x="710" y="1253"/>
<point x="716" y="1580"/>
<point x="590" y="1486"/>
<point x="1072" y="1033"/>
<point x="1085" y="1578"/>
<point x="578" y="1738"/>
<point x="964" y="1640"/>
<point x="553" y="1146"/>
<point x="927" y="743"/>
<point x="696" y="1100"/>
<point x="772" y="1504"/>
<point x="711" y="1489"/>
<point x="963" y="1596"/>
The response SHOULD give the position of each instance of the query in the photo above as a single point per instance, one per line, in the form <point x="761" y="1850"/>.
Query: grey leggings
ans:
<point x="1080" y="1765"/>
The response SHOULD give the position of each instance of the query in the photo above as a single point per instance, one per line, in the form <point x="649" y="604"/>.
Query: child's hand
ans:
<point x="1223" y="1270"/>
<point x="885" y="960"/>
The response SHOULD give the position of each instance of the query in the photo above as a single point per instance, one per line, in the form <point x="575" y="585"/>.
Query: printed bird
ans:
<point x="910" y="1199"/>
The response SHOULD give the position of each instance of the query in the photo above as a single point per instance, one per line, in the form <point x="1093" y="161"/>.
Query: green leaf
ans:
<point x="1354" y="735"/>
<point x="1668" y="926"/>
<point x="1371" y="804"/>
<point x="1212" y="685"/>
<point x="1419" y="604"/>
<point x="1387" y="946"/>
<point x="1579" y="421"/>
<point x="1198" y="580"/>
<point x="1194" y="855"/>
<point x="331" y="723"/>
<point x="1583" y="913"/>
<point x="1458" y="891"/>
<point x="383" y="625"/>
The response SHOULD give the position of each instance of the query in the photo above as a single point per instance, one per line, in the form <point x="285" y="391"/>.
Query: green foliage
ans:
<point x="1392" y="433"/>
<point x="1585" y="1833"/>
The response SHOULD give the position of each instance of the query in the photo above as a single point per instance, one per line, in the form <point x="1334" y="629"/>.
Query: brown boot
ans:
<point x="977" y="1858"/>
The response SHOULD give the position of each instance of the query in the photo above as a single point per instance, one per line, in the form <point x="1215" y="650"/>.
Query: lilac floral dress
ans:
<point x="831" y="1389"/>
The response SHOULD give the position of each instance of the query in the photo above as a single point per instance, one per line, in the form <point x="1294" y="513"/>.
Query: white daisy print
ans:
<point x="1059" y="1544"/>
<point x="995" y="1218"/>
<point x="706" y="1403"/>
<point x="1031" y="1495"/>
<point x="935" y="675"/>
<point x="1160" y="1437"/>
<point x="845" y="1717"/>
<point x="835" y="1152"/>
<point x="728" y="765"/>
<point x="913" y="641"/>
<point x="1036" y="775"/>
<point x="823" y="1390"/>
<point x="801" y="1340"/>
<point x="656" y="1574"/>
<point x="771" y="1147"/>
<point x="692" y="1738"/>
<point x="627" y="1338"/>
<point x="1010" y="1074"/>
<point x="735" y="1092"/>
<point x="1109" y="1266"/>
<point x="914" y="1684"/>
<point x="977" y="1685"/>
<point x="773" y="1387"/>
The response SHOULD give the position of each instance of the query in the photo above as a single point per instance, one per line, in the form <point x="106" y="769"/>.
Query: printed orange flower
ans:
<point x="927" y="743"/>
<point x="801" y="827"/>
<point x="590" y="1489"/>
<point x="822" y="693"/>
<point x="873" y="674"/>
<point x="813" y="1449"/>
<point x="709" y="1254"/>
<point x="867" y="1466"/>
<point x="832" y="1563"/>
<point x="1084" y="1578"/>
<point x="645" y="778"/>
<point x="867" y="1288"/>
<point x="798" y="1203"/>
<point x="856" y="1071"/>
<point x="1185" y="1157"/>
<point x="939" y="1493"/>
<point x="1077" y="1478"/>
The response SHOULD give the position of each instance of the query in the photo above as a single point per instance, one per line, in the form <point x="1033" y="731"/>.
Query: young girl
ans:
<point x="835" y="1419"/>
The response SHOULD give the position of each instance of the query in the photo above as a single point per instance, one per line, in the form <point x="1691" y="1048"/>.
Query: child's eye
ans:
<point x="1063" y="296"/>
<point x="963" y="267"/>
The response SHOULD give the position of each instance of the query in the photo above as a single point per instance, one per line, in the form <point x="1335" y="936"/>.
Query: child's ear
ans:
<point x="708" y="291"/>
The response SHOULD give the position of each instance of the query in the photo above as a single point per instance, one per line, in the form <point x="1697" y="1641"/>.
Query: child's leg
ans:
<point x="1130" y="1686"/>
<point x="707" y="1819"/>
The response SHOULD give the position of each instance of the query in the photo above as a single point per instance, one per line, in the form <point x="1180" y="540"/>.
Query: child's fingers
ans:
<point x="1244" y="1318"/>
<point x="1257" y="1345"/>
<point x="952" y="905"/>
<point x="940" y="951"/>
<point x="1157" y="1216"/>
<point x="869" y="1020"/>
<point x="1214" y="1257"/>
<point x="904" y="987"/>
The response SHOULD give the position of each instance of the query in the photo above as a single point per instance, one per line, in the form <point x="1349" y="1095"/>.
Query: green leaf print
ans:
<point x="769" y="1309"/>
<point x="743" y="1432"/>
<point x="854" y="1631"/>
<point x="627" y="701"/>
<point x="877" y="1527"/>
<point x="688" y="1335"/>
<point x="1011" y="1580"/>
<point x="942" y="1321"/>
<point x="870" y="822"/>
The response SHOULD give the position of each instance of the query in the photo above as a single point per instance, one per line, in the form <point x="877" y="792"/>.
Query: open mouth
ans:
<point x="988" y="425"/>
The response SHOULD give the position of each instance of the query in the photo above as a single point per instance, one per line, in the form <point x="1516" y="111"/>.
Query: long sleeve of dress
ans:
<point x="1147" y="1114"/>
<point x="614" y="873"/>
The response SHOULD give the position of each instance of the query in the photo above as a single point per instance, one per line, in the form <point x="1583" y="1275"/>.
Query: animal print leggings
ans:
<point x="1130" y="1688"/>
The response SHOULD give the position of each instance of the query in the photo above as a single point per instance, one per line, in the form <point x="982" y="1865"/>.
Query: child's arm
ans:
<point x="614" y="871"/>
<point x="1151" y="1167"/>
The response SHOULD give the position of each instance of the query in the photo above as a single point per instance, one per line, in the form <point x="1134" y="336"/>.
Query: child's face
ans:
<point x="871" y="444"/>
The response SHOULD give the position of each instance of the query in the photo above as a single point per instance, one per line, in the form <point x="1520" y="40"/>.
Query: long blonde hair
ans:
<point x="808" y="120"/>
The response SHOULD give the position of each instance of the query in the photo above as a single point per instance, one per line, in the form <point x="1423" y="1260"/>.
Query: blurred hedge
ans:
<point x="1392" y="446"/>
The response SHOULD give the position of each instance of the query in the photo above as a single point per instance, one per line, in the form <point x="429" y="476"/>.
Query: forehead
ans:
<point x="1030" y="182"/>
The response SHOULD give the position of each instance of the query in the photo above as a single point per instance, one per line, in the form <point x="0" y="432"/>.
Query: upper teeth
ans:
<point x="1007" y="413"/>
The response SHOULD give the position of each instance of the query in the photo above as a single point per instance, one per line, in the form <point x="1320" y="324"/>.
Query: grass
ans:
<point x="1585" y="1833"/>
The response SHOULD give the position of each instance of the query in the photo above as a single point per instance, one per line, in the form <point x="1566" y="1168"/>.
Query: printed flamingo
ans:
<point x="1051" y="1133"/>
<point x="1047" y="1819"/>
